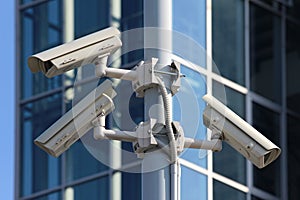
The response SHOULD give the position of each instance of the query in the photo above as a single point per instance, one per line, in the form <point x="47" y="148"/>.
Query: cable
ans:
<point x="173" y="150"/>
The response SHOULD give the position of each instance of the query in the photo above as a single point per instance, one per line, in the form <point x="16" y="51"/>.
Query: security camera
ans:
<point x="71" y="55"/>
<point x="238" y="133"/>
<point x="78" y="121"/>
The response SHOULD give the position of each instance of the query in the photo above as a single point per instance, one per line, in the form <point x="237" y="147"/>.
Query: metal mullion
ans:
<point x="263" y="194"/>
<point x="265" y="102"/>
<point x="41" y="193"/>
<point x="41" y="95"/>
<point x="50" y="24"/>
<point x="231" y="84"/>
<point x="293" y="20"/>
<point x="87" y="179"/>
<point x="209" y="89"/>
<point x="293" y="113"/>
<point x="283" y="117"/>
<point x="31" y="4"/>
<point x="249" y="166"/>
<point x="266" y="7"/>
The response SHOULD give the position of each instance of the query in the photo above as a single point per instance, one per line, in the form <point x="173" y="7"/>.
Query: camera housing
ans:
<point x="78" y="121"/>
<point x="71" y="55"/>
<point x="238" y="133"/>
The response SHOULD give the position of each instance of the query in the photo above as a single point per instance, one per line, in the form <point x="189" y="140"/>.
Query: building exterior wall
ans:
<point x="250" y="50"/>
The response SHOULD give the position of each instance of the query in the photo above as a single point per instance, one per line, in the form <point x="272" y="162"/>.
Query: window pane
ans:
<point x="229" y="162"/>
<point x="222" y="191"/>
<point x="228" y="38"/>
<point x="41" y="29"/>
<point x="193" y="184"/>
<point x="132" y="14"/>
<point x="131" y="186"/>
<point x="187" y="109"/>
<point x="132" y="17"/>
<point x="90" y="16"/>
<point x="293" y="70"/>
<point x="38" y="170"/>
<point x="233" y="99"/>
<point x="268" y="123"/>
<point x="94" y="190"/>
<point x="265" y="53"/>
<point x="293" y="127"/>
<point x="80" y="162"/>
<point x="293" y="9"/>
<point x="189" y="19"/>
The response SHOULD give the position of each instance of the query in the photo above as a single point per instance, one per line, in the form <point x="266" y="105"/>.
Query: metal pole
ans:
<point x="162" y="184"/>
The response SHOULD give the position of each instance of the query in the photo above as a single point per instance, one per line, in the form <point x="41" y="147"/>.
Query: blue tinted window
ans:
<point x="94" y="190"/>
<point x="229" y="162"/>
<point x="189" y="18"/>
<point x="265" y="53"/>
<point x="187" y="109"/>
<point x="268" y="123"/>
<point x="38" y="170"/>
<point x="222" y="191"/>
<point x="81" y="163"/>
<point x="90" y="16"/>
<point x="131" y="186"/>
<point x="228" y="38"/>
<point x="193" y="184"/>
<point x="41" y="29"/>
<point x="189" y="22"/>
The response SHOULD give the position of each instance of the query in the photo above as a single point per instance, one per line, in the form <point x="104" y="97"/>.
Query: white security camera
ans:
<point x="238" y="133"/>
<point x="76" y="122"/>
<point x="68" y="56"/>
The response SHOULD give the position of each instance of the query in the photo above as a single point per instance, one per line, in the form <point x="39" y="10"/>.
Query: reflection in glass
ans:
<point x="38" y="170"/>
<point x="265" y="53"/>
<point x="292" y="64"/>
<point x="293" y="127"/>
<point x="193" y="184"/>
<point x="222" y="191"/>
<point x="41" y="29"/>
<point x="267" y="122"/>
<point x="189" y="22"/>
<point x="189" y="18"/>
<point x="187" y="109"/>
<point x="228" y="38"/>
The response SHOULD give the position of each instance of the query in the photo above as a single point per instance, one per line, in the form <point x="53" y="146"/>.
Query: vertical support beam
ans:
<point x="157" y="13"/>
<point x="68" y="32"/>
<point x="17" y="161"/>
<point x="115" y="146"/>
<point x="209" y="64"/>
<point x="68" y="35"/>
<point x="248" y="109"/>
<point x="283" y="117"/>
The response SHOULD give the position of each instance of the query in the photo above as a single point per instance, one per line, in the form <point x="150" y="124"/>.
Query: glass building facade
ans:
<point x="255" y="48"/>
